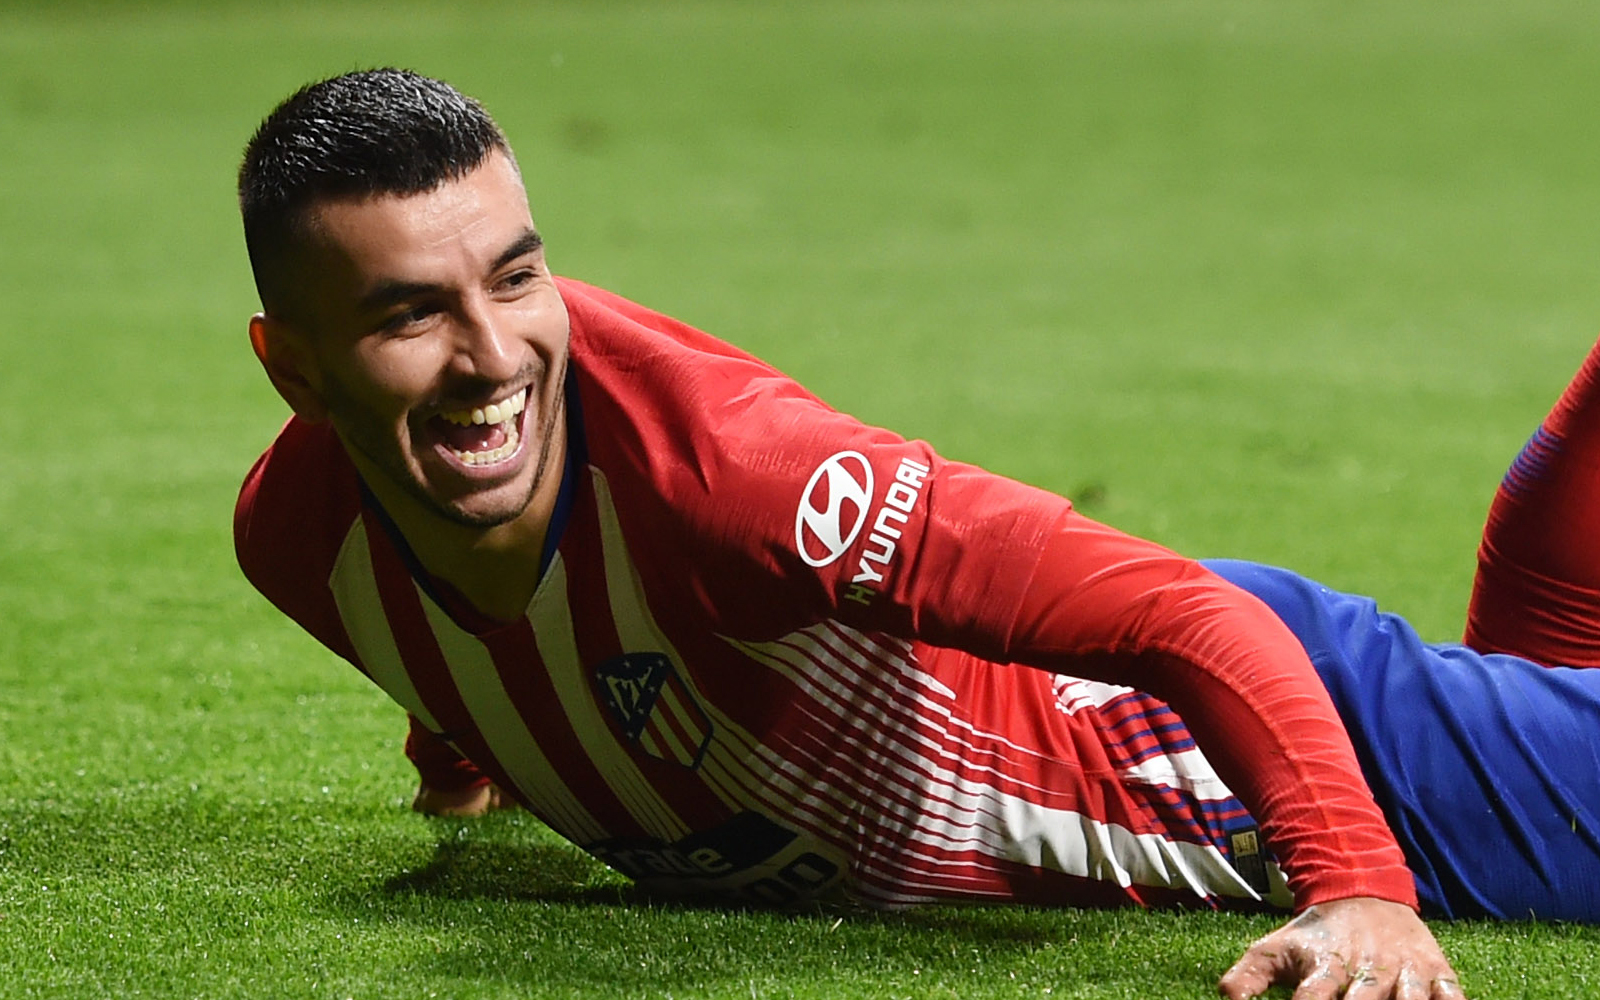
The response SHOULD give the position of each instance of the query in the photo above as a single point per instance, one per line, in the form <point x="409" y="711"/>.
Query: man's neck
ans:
<point x="497" y="569"/>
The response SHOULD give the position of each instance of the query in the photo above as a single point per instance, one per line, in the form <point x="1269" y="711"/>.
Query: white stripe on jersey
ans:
<point x="502" y="728"/>
<point x="355" y="591"/>
<point x="1074" y="693"/>
<point x="551" y="618"/>
<point x="919" y="817"/>
<point x="630" y="613"/>
<point x="950" y="812"/>
<point x="1187" y="770"/>
<point x="636" y="626"/>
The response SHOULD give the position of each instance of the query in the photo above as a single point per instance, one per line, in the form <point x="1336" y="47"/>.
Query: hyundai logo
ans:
<point x="823" y="528"/>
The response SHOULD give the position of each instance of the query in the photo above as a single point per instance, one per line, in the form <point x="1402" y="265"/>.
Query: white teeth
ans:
<point x="494" y="413"/>
<point x="493" y="455"/>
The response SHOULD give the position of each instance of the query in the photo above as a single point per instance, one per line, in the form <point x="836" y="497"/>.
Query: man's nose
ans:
<point x="488" y="346"/>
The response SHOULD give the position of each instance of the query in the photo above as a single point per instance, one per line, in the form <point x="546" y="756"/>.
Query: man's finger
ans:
<point x="1246" y="979"/>
<point x="1324" y="983"/>
<point x="1261" y="967"/>
<point x="1367" y="984"/>
<point x="1411" y="985"/>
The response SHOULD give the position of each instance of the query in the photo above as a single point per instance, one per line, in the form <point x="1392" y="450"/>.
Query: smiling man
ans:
<point x="729" y="640"/>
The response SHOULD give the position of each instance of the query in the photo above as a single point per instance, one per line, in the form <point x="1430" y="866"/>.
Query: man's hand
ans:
<point x="472" y="801"/>
<point x="1361" y="948"/>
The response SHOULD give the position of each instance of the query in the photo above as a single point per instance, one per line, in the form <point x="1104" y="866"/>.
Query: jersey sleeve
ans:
<point x="775" y="511"/>
<point x="438" y="764"/>
<point x="1107" y="606"/>
<point x="294" y="509"/>
<point x="781" y="512"/>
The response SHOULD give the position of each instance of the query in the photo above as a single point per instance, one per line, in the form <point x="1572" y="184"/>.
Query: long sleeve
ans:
<point x="1111" y="607"/>
<point x="770" y="511"/>
<point x="437" y="763"/>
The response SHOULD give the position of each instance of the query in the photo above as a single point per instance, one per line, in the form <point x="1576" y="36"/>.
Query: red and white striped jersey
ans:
<point x="776" y="652"/>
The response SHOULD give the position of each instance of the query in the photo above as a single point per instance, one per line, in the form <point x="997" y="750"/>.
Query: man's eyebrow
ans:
<point x="527" y="243"/>
<point x="389" y="293"/>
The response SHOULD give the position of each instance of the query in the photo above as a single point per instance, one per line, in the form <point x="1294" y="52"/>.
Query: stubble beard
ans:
<point x="541" y="469"/>
<point x="376" y="450"/>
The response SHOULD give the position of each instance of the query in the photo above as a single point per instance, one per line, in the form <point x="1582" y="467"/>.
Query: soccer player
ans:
<point x="732" y="641"/>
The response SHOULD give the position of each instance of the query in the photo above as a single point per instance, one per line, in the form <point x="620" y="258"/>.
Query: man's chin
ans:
<point x="482" y="520"/>
<point x="488" y="503"/>
<point x="437" y="489"/>
<point x="484" y="511"/>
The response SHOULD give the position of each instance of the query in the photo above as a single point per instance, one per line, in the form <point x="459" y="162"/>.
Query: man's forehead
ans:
<point x="480" y="211"/>
<point x="351" y="247"/>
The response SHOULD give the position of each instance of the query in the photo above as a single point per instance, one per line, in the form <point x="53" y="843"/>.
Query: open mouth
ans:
<point x="483" y="435"/>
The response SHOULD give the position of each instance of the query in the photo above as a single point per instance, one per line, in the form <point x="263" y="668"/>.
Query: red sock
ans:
<point x="1537" y="592"/>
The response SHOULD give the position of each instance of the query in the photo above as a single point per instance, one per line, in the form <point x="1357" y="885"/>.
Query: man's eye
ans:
<point x="517" y="279"/>
<point x="411" y="317"/>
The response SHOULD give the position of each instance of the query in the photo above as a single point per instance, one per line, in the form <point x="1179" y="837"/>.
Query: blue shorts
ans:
<point x="1487" y="766"/>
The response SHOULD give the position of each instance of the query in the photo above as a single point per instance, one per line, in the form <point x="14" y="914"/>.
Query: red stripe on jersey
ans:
<point x="840" y="737"/>
<point x="526" y="680"/>
<point x="900" y="695"/>
<point x="1139" y="727"/>
<point x="677" y="731"/>
<point x="424" y="661"/>
<point x="595" y="632"/>
<point x="594" y="629"/>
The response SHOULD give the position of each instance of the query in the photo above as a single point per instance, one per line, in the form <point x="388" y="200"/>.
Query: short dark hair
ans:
<point x="372" y="132"/>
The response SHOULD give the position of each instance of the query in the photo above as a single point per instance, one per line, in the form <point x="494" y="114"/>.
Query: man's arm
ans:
<point x="1127" y="611"/>
<point x="1119" y="609"/>
<point x="448" y="784"/>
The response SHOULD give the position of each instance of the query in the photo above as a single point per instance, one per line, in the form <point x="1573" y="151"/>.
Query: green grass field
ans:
<point x="1280" y="280"/>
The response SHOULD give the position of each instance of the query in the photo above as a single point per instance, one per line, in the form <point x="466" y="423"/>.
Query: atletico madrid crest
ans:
<point x="654" y="707"/>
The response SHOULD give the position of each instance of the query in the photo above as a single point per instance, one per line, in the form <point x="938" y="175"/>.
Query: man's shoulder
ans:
<point x="693" y="418"/>
<point x="708" y="455"/>
<point x="657" y="375"/>
<point x="294" y="509"/>
<point x="610" y="331"/>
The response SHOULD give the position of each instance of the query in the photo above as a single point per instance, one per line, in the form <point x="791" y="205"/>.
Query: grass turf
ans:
<point x="1288" y="281"/>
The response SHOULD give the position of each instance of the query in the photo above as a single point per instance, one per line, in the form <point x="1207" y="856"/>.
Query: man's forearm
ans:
<point x="1122" y="610"/>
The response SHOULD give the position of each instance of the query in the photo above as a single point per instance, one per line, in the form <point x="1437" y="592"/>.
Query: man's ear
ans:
<point x="284" y="354"/>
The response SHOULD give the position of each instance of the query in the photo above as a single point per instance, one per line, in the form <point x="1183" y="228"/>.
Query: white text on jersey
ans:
<point x="883" y="542"/>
